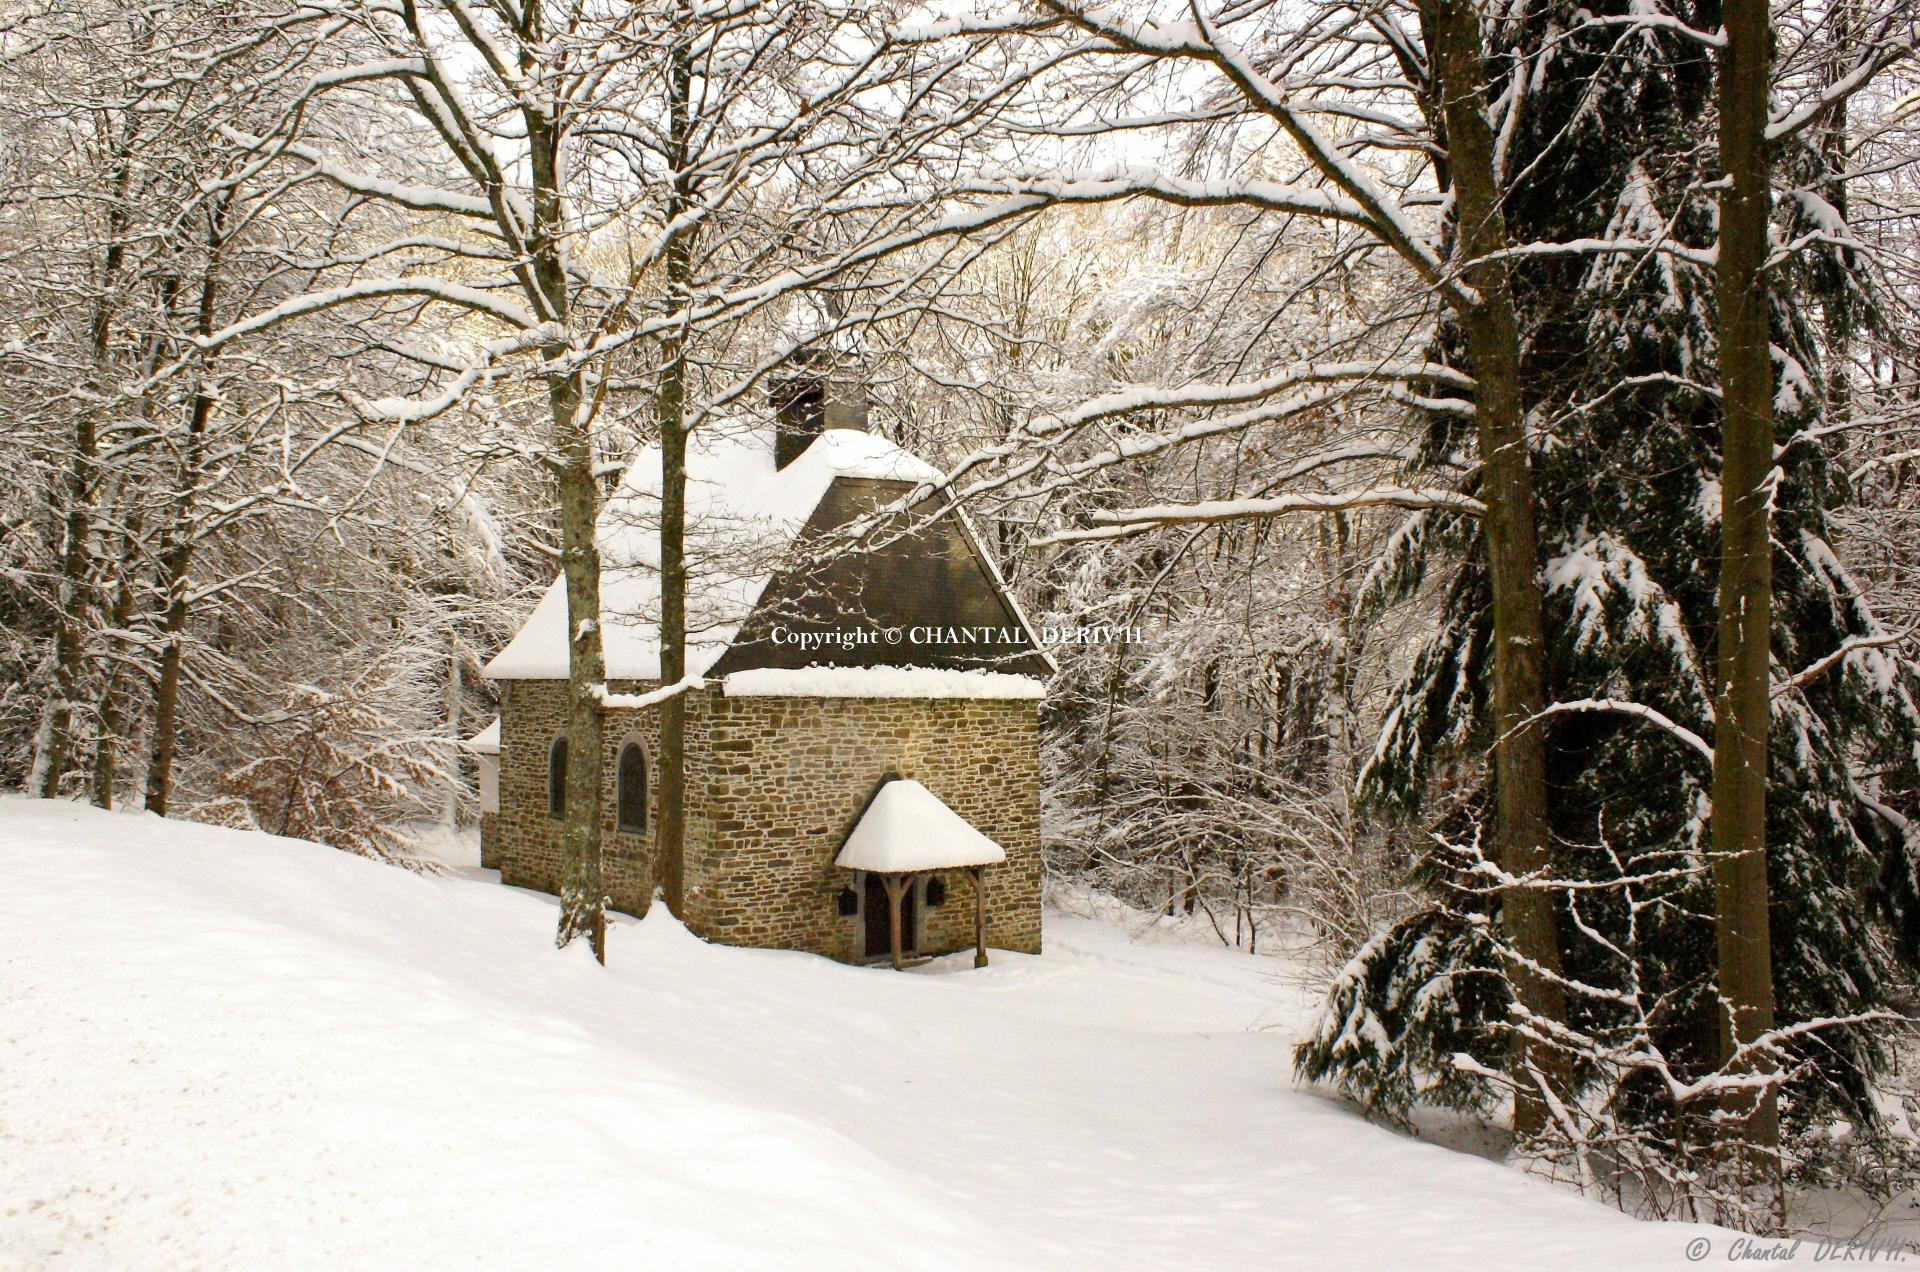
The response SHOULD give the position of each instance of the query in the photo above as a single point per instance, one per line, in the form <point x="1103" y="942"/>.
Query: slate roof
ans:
<point x="765" y="567"/>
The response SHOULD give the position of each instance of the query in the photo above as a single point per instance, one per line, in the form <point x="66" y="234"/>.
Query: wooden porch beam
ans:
<point x="979" y="916"/>
<point x="896" y="886"/>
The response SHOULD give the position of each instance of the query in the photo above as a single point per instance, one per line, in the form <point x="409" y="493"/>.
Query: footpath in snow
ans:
<point x="221" y="1049"/>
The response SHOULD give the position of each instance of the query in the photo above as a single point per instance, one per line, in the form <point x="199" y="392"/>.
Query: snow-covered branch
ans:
<point x="1137" y="520"/>
<point x="1613" y="706"/>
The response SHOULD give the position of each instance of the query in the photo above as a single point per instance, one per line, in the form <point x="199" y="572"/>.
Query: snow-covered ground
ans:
<point x="221" y="1049"/>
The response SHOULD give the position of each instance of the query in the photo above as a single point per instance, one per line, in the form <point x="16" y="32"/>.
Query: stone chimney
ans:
<point x="817" y="396"/>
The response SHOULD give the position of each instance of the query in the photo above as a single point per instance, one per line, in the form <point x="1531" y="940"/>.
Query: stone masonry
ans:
<point x="773" y="787"/>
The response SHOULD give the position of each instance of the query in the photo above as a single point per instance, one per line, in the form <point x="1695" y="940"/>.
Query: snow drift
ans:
<point x="225" y="1049"/>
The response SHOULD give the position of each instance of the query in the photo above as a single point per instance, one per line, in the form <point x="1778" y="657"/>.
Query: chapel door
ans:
<point x="873" y="905"/>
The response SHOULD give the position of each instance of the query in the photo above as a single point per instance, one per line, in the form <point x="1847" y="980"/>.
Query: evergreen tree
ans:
<point x="1614" y="141"/>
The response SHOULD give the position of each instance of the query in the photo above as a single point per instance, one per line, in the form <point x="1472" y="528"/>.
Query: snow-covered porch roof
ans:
<point x="908" y="830"/>
<point x="487" y="741"/>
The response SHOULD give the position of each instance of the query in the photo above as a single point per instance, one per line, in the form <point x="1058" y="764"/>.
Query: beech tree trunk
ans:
<point x="177" y="564"/>
<point x="583" y="894"/>
<point x="1742" y="708"/>
<point x="672" y="841"/>
<point x="177" y="556"/>
<point x="456" y="692"/>
<point x="583" y="899"/>
<point x="671" y="407"/>
<point x="112" y="706"/>
<point x="178" y="559"/>
<point x="1508" y="531"/>
<point x="71" y="615"/>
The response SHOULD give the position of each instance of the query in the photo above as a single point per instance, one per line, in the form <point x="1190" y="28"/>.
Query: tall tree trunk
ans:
<point x="114" y="709"/>
<point x="71" y="610"/>
<point x="176" y="570"/>
<point x="1742" y="706"/>
<point x="166" y="691"/>
<point x="1833" y="151"/>
<point x="1507" y="528"/>
<point x="583" y="910"/>
<point x="177" y="555"/>
<point x="112" y="705"/>
<point x="74" y="604"/>
<point x="583" y="894"/>
<point x="671" y="842"/>
<point x="456" y="691"/>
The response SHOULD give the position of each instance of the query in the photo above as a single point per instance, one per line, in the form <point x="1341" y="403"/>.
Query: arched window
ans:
<point x="557" y="779"/>
<point x="631" y="789"/>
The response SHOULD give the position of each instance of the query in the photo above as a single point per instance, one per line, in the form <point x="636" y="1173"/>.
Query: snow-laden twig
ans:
<point x="1639" y="711"/>
<point x="1136" y="520"/>
<point x="457" y="294"/>
<point x="1814" y="670"/>
<point x="1869" y="64"/>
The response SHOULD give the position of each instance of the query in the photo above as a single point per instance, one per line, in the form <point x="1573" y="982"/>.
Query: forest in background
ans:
<point x="1371" y="360"/>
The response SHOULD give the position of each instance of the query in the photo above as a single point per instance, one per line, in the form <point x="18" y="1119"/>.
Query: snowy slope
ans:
<point x="221" y="1049"/>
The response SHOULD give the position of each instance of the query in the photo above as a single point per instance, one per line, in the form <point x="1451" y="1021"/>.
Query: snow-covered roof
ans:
<point x="742" y="516"/>
<point x="487" y="741"/>
<point x="879" y="682"/>
<point x="906" y="829"/>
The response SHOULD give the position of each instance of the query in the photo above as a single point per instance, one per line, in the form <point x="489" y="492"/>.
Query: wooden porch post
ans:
<point x="979" y="916"/>
<point x="896" y="886"/>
